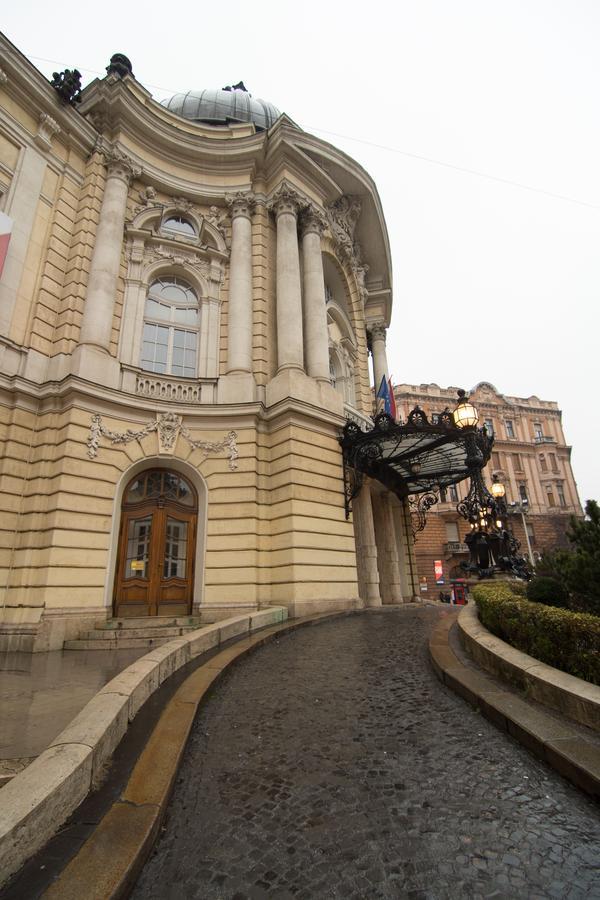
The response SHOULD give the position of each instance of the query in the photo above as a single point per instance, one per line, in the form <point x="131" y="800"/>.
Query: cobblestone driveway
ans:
<point x="332" y="763"/>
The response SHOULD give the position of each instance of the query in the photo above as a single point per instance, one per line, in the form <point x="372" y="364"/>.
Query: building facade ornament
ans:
<point x="3" y="77"/>
<point x="178" y="257"/>
<point x="168" y="427"/>
<point x="241" y="203"/>
<point x="342" y="218"/>
<point x="286" y="200"/>
<point x="377" y="330"/>
<point x="216" y="219"/>
<point x="120" y="165"/>
<point x="47" y="128"/>
<point x="312" y="220"/>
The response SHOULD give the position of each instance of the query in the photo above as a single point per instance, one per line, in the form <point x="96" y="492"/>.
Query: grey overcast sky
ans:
<point x="496" y="274"/>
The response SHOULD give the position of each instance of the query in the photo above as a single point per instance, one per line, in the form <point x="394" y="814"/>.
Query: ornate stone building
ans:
<point x="530" y="456"/>
<point x="184" y="319"/>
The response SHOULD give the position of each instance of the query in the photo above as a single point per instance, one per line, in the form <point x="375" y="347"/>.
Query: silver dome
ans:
<point x="218" y="107"/>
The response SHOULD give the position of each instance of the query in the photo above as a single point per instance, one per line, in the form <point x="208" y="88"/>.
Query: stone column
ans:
<point x="366" y="547"/>
<point x="387" y="550"/>
<point x="96" y="326"/>
<point x="380" y="365"/>
<point x="316" y="338"/>
<point x="239" y="328"/>
<point x="290" y="354"/>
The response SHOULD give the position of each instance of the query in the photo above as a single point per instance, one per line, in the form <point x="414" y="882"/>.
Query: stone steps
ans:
<point x="134" y="633"/>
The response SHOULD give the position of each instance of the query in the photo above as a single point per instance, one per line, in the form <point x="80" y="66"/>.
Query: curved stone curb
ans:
<point x="555" y="742"/>
<point x="108" y="863"/>
<point x="574" y="697"/>
<point x="37" y="801"/>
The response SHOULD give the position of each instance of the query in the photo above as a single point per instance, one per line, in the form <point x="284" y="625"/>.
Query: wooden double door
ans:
<point x="157" y="544"/>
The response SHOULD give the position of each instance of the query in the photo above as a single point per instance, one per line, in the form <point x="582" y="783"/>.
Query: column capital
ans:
<point x="120" y="165"/>
<point x="286" y="200"/>
<point x="377" y="330"/>
<point x="312" y="221"/>
<point x="241" y="203"/>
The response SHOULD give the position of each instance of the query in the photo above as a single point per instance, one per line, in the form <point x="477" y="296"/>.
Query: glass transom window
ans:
<point x="179" y="225"/>
<point x="171" y="324"/>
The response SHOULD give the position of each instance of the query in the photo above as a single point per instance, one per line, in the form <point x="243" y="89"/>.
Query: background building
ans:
<point x="530" y="456"/>
<point x="184" y="309"/>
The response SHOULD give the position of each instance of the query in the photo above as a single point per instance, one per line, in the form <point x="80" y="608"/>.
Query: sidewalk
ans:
<point x="41" y="692"/>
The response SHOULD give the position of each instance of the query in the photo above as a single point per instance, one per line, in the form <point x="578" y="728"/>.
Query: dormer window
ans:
<point x="180" y="226"/>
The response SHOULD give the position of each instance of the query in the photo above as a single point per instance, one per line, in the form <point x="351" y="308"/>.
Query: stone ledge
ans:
<point x="555" y="742"/>
<point x="37" y="801"/>
<point x="575" y="698"/>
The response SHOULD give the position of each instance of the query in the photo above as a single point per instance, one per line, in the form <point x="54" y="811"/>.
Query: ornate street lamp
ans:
<point x="465" y="415"/>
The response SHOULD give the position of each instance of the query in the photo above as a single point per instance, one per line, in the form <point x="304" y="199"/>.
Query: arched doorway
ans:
<point x="157" y="543"/>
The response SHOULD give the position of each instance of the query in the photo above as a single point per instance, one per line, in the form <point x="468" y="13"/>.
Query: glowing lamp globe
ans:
<point x="465" y="415"/>
<point x="498" y="489"/>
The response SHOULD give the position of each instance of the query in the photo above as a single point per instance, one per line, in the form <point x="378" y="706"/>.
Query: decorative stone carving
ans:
<point x="148" y="197"/>
<point x="312" y="219"/>
<point x="179" y="257"/>
<point x="166" y="389"/>
<point x="216" y="219"/>
<point x="182" y="204"/>
<point x="47" y="128"/>
<point x="169" y="426"/>
<point x="241" y="203"/>
<point x="3" y="77"/>
<point x="67" y="85"/>
<point x="120" y="165"/>
<point x="119" y="65"/>
<point x="342" y="217"/>
<point x="377" y="330"/>
<point x="286" y="200"/>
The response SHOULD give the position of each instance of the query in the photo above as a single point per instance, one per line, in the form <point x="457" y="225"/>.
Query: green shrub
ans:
<point x="543" y="589"/>
<point x="566" y="640"/>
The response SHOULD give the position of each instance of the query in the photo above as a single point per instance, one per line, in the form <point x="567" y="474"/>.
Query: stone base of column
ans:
<point x="96" y="365"/>
<point x="238" y="387"/>
<point x="294" y="384"/>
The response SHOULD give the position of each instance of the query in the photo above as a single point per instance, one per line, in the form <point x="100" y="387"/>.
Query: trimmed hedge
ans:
<point x="558" y="637"/>
<point x="544" y="589"/>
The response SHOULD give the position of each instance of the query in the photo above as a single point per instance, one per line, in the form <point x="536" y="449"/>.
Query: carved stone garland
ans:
<point x="169" y="426"/>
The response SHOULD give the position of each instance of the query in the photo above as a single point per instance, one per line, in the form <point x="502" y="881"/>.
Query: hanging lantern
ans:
<point x="498" y="489"/>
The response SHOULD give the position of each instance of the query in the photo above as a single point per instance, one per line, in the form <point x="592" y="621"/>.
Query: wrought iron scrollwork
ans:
<point x="418" y="511"/>
<point x="417" y="416"/>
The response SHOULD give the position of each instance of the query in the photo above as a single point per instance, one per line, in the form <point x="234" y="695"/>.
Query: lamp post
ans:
<point x="522" y="508"/>
<point x="492" y="547"/>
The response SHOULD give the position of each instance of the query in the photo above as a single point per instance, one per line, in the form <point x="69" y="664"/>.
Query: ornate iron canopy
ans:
<point x="411" y="458"/>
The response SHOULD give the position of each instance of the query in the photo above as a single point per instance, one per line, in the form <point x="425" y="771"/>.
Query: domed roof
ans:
<point x="218" y="107"/>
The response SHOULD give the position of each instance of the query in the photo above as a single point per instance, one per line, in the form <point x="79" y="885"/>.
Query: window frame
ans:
<point x="172" y="326"/>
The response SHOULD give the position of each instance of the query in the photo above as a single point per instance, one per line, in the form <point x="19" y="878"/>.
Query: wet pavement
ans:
<point x="332" y="763"/>
<point x="41" y="692"/>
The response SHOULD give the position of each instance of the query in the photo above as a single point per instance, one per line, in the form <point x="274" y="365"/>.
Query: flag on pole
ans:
<point x="384" y="394"/>
<point x="5" y="230"/>
<point x="393" y="410"/>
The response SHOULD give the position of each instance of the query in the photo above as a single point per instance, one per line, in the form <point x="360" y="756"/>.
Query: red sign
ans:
<point x="439" y="571"/>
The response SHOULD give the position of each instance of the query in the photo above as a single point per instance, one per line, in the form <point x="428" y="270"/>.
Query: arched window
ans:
<point x="179" y="225"/>
<point x="171" y="327"/>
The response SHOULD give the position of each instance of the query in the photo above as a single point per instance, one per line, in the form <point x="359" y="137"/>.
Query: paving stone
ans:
<point x="332" y="763"/>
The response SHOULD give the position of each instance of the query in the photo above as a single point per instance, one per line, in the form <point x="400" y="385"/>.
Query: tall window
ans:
<point x="517" y="462"/>
<point x="489" y="424"/>
<point x="543" y="463"/>
<point x="553" y="462"/>
<point x="510" y="429"/>
<point x="496" y="463"/>
<point x="537" y="431"/>
<point x="550" y="495"/>
<point x="560" y="493"/>
<point x="170" y="344"/>
<point x="453" y="493"/>
<point x="523" y="494"/>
